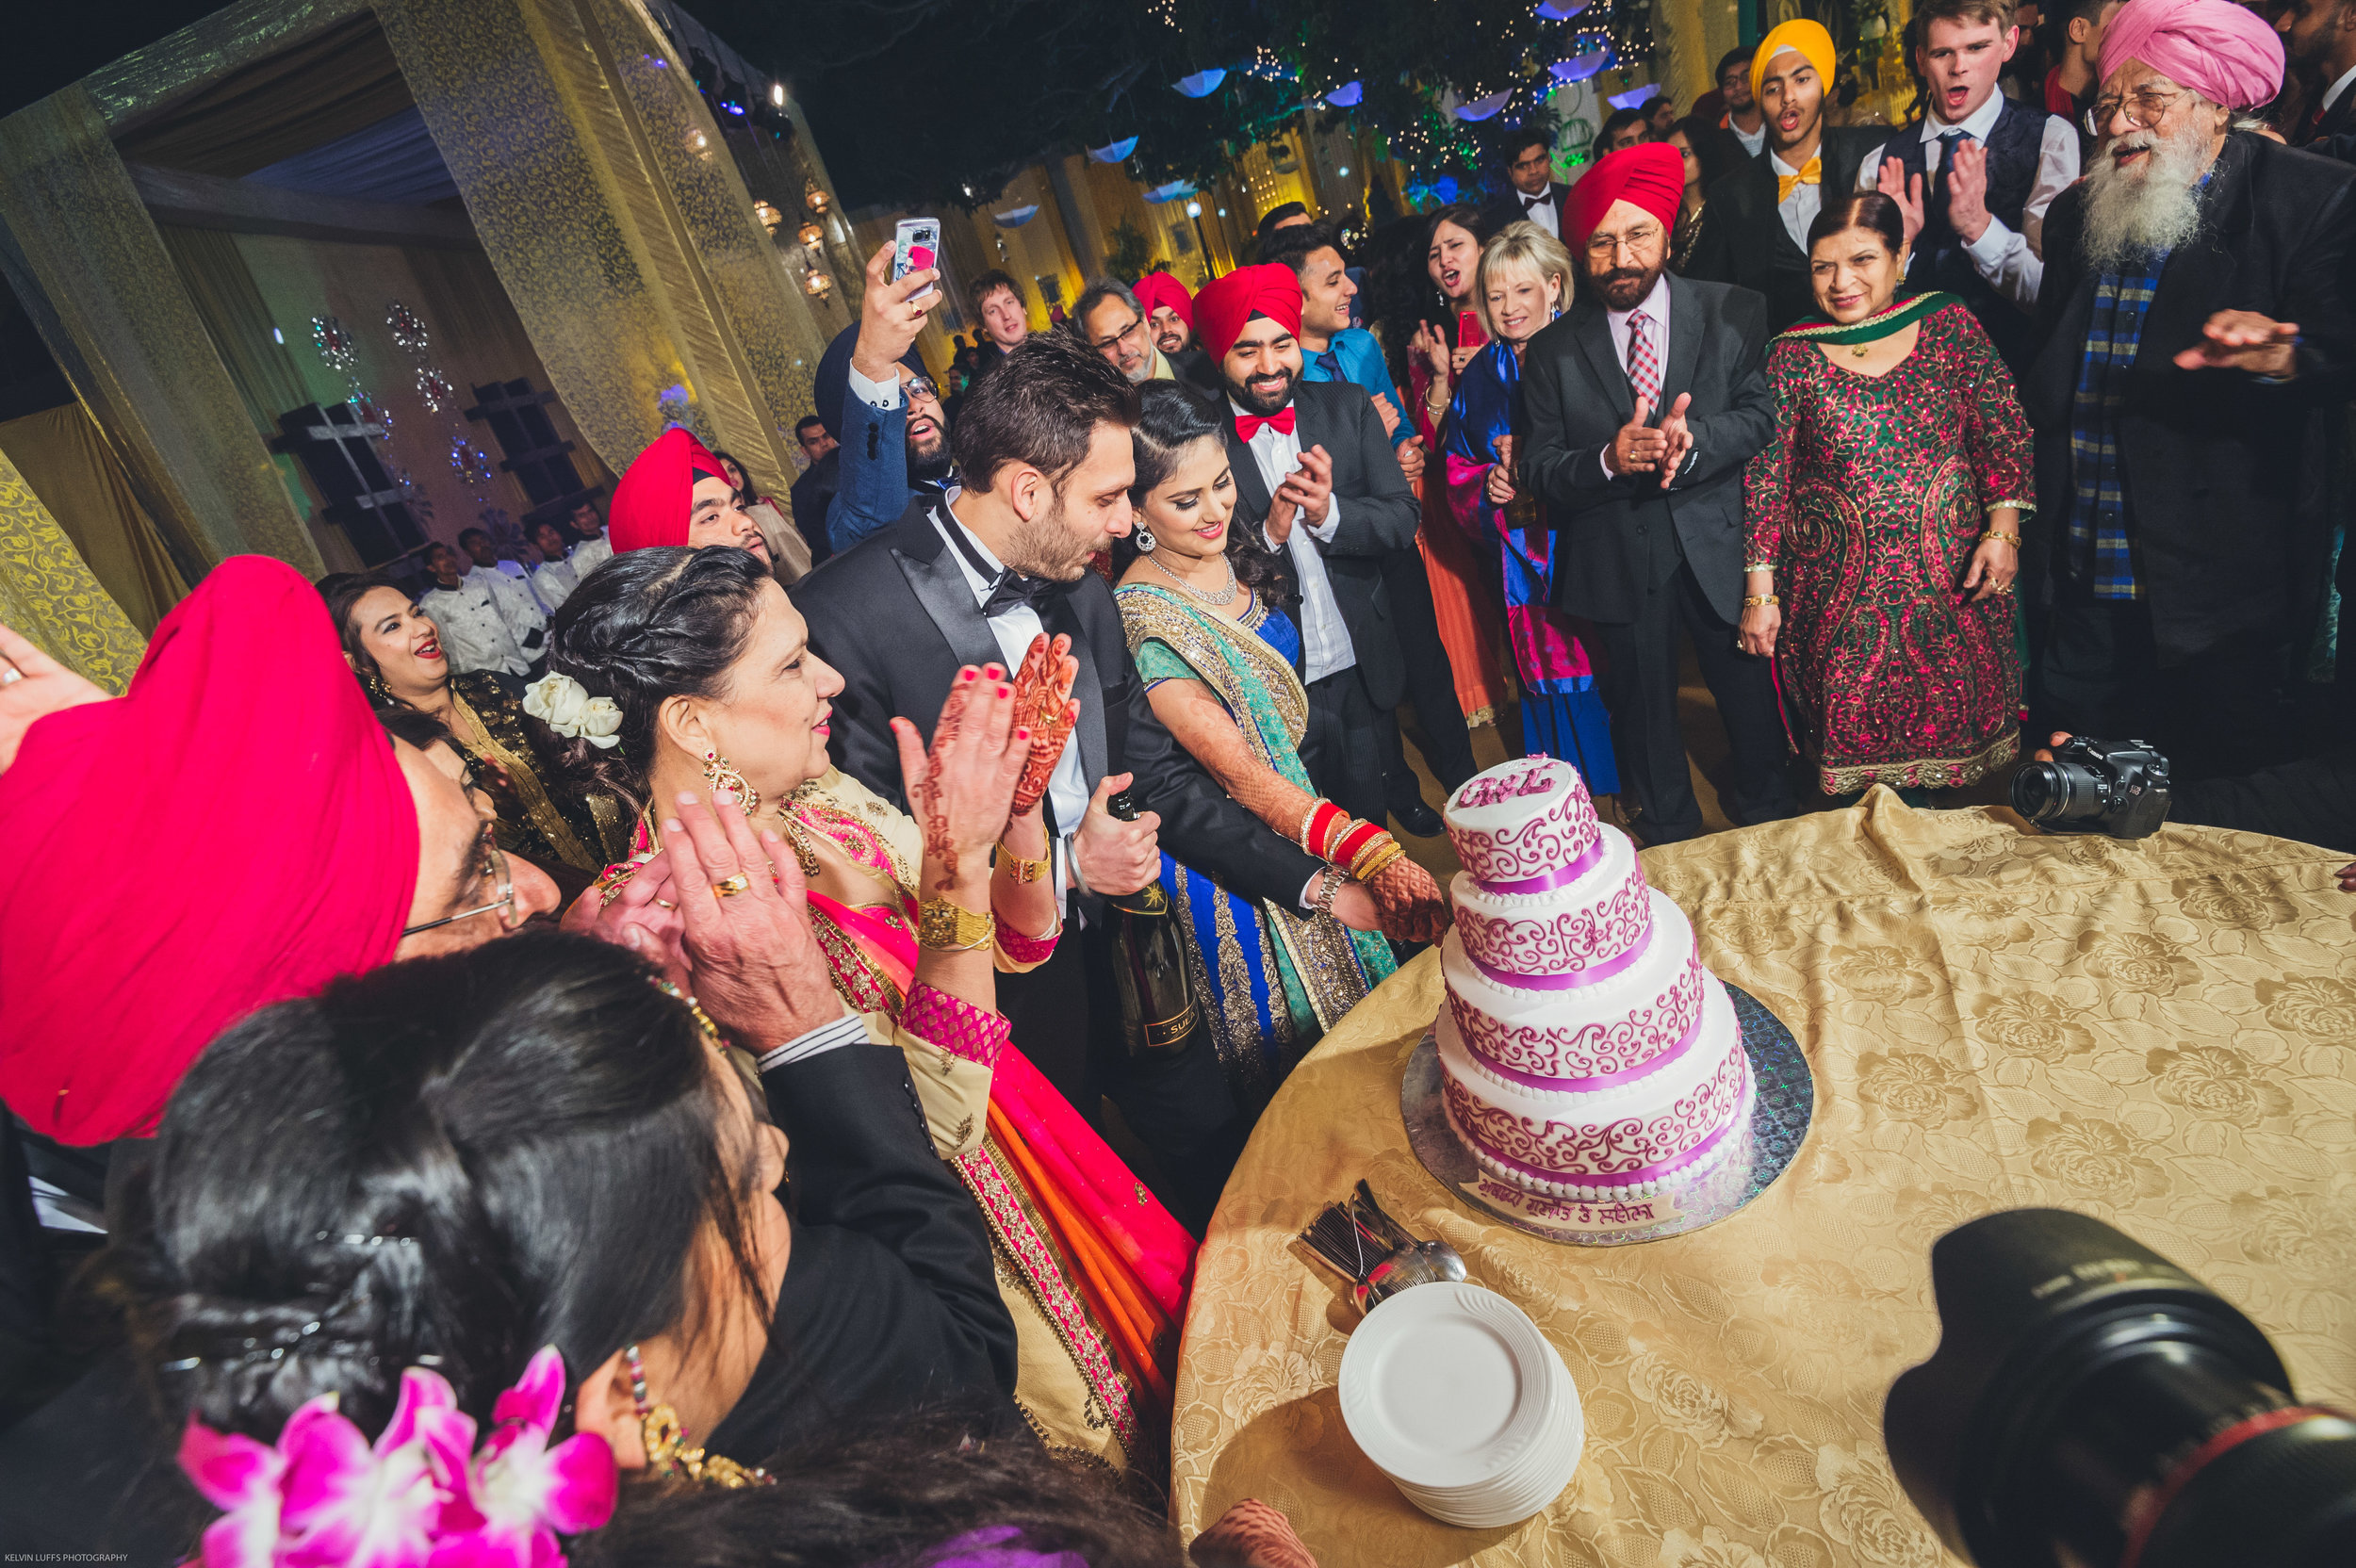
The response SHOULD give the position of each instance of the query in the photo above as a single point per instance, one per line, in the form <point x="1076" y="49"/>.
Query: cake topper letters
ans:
<point x="1492" y="789"/>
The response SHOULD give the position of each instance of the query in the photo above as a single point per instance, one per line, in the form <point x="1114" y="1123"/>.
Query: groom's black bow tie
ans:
<point x="1539" y="201"/>
<point x="1013" y="590"/>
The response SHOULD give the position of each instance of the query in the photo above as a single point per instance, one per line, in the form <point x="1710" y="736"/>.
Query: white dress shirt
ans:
<point x="2013" y="263"/>
<point x="1655" y="308"/>
<point x="1541" y="212"/>
<point x="1012" y="629"/>
<point x="518" y="606"/>
<point x="554" y="582"/>
<point x="1752" y="140"/>
<point x="1800" y="208"/>
<point x="2331" y="94"/>
<point x="1325" y="647"/>
<point x="475" y="634"/>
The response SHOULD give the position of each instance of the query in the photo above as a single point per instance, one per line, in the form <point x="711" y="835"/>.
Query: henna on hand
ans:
<point x="1044" y="705"/>
<point x="1409" y="903"/>
<point x="925" y="793"/>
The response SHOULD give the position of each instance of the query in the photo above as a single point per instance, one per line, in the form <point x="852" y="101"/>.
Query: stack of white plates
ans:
<point x="1455" y="1395"/>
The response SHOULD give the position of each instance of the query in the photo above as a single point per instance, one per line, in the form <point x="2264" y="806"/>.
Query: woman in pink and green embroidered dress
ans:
<point x="688" y="672"/>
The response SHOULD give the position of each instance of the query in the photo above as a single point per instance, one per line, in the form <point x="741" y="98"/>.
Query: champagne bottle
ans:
<point x="1159" y="1017"/>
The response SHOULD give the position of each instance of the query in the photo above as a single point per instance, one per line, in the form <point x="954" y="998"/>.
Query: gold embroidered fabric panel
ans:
<point x="48" y="594"/>
<point x="85" y="259"/>
<point x="2158" y="1033"/>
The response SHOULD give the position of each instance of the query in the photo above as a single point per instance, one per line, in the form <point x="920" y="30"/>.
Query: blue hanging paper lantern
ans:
<point x="1114" y="152"/>
<point x="1200" y="85"/>
<point x="1483" y="109"/>
<point x="1555" y="13"/>
<point x="1170" y="192"/>
<point x="1347" y="97"/>
<point x="1634" y="97"/>
<point x="1014" y="218"/>
<point x="1580" y="69"/>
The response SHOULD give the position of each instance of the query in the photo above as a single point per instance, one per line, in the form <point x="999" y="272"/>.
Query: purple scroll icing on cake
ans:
<point x="1618" y="1153"/>
<point x="1554" y="1057"/>
<point x="1524" y="821"/>
<point x="1588" y="940"/>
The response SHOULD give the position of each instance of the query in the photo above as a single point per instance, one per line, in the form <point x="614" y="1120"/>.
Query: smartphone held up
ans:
<point x="917" y="249"/>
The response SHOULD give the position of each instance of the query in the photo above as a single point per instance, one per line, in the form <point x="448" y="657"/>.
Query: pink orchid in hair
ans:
<point x="419" y="1497"/>
<point x="526" y="1493"/>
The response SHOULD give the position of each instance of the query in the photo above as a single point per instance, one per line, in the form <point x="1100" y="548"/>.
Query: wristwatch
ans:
<point x="945" y="927"/>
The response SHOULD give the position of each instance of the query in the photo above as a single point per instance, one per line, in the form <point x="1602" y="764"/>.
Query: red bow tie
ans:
<point x="1248" y="425"/>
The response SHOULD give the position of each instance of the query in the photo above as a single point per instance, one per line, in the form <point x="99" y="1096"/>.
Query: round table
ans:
<point x="2162" y="1034"/>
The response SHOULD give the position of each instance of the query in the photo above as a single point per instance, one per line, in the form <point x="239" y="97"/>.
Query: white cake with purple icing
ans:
<point x="1585" y="1053"/>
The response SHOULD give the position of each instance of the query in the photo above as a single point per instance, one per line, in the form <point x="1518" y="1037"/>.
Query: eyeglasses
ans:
<point x="490" y="868"/>
<point x="924" y="387"/>
<point x="2143" y="107"/>
<point x="1606" y="247"/>
<point x="1126" y="334"/>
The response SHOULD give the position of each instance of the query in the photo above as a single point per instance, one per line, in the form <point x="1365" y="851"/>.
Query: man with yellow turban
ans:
<point x="1755" y="221"/>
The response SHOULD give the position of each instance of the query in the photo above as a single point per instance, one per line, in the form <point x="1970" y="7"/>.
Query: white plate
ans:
<point x="1449" y="1390"/>
<point x="1559" y="1449"/>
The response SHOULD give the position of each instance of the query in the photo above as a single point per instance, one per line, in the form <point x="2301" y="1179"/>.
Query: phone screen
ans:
<point x="919" y="247"/>
<point x="1470" y="334"/>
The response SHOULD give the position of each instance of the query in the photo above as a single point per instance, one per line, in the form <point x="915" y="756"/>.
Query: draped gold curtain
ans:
<point x="85" y="259"/>
<point x="239" y="322"/>
<point x="48" y="592"/>
<point x="69" y="465"/>
<point x="626" y="284"/>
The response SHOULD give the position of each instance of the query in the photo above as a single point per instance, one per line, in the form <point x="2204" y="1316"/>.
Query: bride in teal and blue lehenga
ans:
<point x="1218" y="657"/>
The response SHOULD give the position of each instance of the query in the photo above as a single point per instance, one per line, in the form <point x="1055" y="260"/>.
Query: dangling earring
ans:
<point x="723" y="778"/>
<point x="667" y="1451"/>
<point x="1146" y="543"/>
<point x="373" y="682"/>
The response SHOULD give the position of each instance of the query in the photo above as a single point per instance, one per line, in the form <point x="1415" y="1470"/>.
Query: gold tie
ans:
<point x="1812" y="174"/>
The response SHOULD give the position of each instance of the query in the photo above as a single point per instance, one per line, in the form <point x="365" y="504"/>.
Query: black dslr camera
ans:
<point x="2113" y="787"/>
<point x="2091" y="1405"/>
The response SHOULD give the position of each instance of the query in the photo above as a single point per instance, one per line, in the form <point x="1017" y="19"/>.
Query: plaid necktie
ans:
<point x="1643" y="364"/>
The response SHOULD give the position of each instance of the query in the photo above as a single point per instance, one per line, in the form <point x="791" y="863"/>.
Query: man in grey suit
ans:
<point x="1315" y="478"/>
<point x="1643" y="404"/>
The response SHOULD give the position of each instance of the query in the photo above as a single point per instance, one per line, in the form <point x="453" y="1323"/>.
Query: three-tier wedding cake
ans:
<point x="1585" y="1053"/>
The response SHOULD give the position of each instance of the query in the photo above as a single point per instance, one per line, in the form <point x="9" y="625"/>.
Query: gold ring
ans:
<point x="731" y="887"/>
<point x="664" y="903"/>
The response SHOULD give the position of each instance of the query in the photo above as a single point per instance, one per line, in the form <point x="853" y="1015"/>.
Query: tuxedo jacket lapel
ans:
<point x="1089" y="686"/>
<point x="939" y="585"/>
<point x="1250" y="490"/>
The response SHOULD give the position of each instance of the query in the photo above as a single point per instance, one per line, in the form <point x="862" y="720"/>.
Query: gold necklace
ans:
<point x="1223" y="596"/>
<point x="1859" y="350"/>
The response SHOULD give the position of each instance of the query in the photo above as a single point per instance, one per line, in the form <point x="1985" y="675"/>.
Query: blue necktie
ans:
<point x="1331" y="363"/>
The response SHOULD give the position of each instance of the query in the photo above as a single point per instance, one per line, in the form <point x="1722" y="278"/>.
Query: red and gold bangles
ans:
<point x="1363" y="849"/>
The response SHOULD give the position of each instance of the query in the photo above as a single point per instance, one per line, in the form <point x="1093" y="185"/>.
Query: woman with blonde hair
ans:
<point x="1523" y="282"/>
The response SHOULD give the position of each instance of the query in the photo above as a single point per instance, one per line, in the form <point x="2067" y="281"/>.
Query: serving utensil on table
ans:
<point x="1376" y="1253"/>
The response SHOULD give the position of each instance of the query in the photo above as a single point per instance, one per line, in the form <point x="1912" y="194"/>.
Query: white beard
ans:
<point x="2134" y="214"/>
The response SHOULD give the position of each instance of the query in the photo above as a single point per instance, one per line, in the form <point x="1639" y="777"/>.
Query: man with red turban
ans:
<point x="2198" y="335"/>
<point x="1315" y="476"/>
<point x="1169" y="311"/>
<point x="676" y="492"/>
<point x="1644" y="401"/>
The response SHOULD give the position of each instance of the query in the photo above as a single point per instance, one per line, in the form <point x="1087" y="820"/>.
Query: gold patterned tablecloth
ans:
<point x="2161" y="1034"/>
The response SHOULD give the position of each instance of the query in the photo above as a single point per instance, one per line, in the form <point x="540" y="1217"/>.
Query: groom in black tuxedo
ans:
<point x="1532" y="193"/>
<point x="1643" y="404"/>
<point x="971" y="578"/>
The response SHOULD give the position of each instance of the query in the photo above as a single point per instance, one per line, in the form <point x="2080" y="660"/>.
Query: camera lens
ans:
<point x="2060" y="790"/>
<point x="2036" y="791"/>
<point x="2091" y="1405"/>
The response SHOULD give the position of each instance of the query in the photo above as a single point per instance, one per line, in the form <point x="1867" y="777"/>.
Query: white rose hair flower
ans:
<point x="565" y="706"/>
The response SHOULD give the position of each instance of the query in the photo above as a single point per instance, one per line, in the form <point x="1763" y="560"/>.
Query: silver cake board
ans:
<point x="1783" y="1099"/>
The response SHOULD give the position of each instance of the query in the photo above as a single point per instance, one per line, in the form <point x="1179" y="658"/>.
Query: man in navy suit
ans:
<point x="1532" y="193"/>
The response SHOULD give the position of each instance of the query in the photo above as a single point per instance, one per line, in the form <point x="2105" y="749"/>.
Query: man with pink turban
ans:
<point x="2198" y="343"/>
<point x="1644" y="402"/>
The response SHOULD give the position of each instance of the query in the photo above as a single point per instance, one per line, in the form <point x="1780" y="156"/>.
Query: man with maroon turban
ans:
<point x="2198" y="338"/>
<point x="676" y="492"/>
<point x="1645" y="401"/>
<point x="1315" y="478"/>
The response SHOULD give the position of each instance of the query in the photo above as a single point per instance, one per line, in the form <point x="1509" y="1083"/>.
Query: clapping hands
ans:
<point x="1641" y="448"/>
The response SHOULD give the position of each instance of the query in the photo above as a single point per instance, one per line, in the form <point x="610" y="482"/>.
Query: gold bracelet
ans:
<point x="1754" y="601"/>
<point x="1026" y="870"/>
<point x="1378" y="860"/>
<point x="945" y="927"/>
<point x="1767" y="566"/>
<point x="1992" y="537"/>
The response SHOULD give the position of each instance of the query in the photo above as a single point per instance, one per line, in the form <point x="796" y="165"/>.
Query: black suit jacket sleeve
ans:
<point x="1380" y="512"/>
<point x="861" y="1160"/>
<point x="1566" y="476"/>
